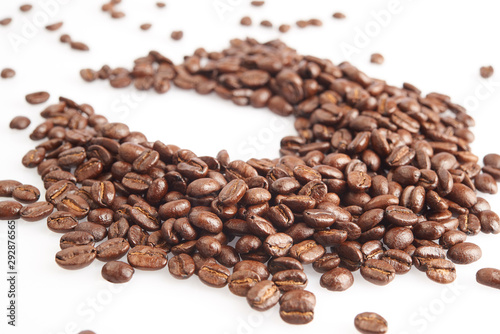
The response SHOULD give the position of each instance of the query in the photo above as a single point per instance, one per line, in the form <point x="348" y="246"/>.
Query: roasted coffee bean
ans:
<point x="181" y="266"/>
<point x="240" y="282"/>
<point x="147" y="258"/>
<point x="26" y="194"/>
<point x="464" y="253"/>
<point x="428" y="230"/>
<point x="441" y="271"/>
<point x="330" y="237"/>
<point x="7" y="187"/>
<point x="469" y="224"/>
<point x="370" y="323"/>
<point x="372" y="250"/>
<point x="486" y="183"/>
<point x="254" y="266"/>
<point x="486" y="71"/>
<point x="398" y="259"/>
<point x="76" y="257"/>
<point x="37" y="98"/>
<point x="175" y="209"/>
<point x="233" y="192"/>
<point x="350" y="255"/>
<point x="76" y="238"/>
<point x="19" y="122"/>
<point x="263" y="296"/>
<point x="398" y="237"/>
<point x="424" y="254"/>
<point x="489" y="277"/>
<point x="259" y="226"/>
<point x="10" y="210"/>
<point x="112" y="249"/>
<point x="462" y="195"/>
<point x="290" y="280"/>
<point x="206" y="220"/>
<point x="337" y="279"/>
<point x="307" y="251"/>
<point x="297" y="307"/>
<point x="33" y="158"/>
<point x="228" y="256"/>
<point x="400" y="216"/>
<point x="278" y="245"/>
<point x="103" y="193"/>
<point x="281" y="216"/>
<point x="117" y="272"/>
<point x="97" y="231"/>
<point x="283" y="263"/>
<point x="370" y="218"/>
<point x="452" y="238"/>
<point x="214" y="275"/>
<point x="326" y="263"/>
<point x="378" y="272"/>
<point x="36" y="211"/>
<point x="61" y="221"/>
<point x="75" y="205"/>
<point x="208" y="246"/>
<point x="490" y="222"/>
<point x="377" y="58"/>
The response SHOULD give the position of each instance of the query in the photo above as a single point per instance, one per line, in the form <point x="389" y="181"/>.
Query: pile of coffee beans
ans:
<point x="378" y="179"/>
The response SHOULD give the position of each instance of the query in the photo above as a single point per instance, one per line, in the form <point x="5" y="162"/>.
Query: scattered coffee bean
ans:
<point x="263" y="296"/>
<point x="79" y="46"/>
<point x="6" y="21"/>
<point x="26" y="8"/>
<point x="76" y="257"/>
<point x="370" y="323"/>
<point x="19" y="123"/>
<point x="160" y="4"/>
<point x="54" y="26"/>
<point x="464" y="253"/>
<point x="246" y="21"/>
<point x="117" y="272"/>
<point x="26" y="194"/>
<point x="7" y="73"/>
<point x="337" y="279"/>
<point x="177" y="35"/>
<point x="486" y="71"/>
<point x="377" y="58"/>
<point x="339" y="15"/>
<point x="489" y="277"/>
<point x="257" y="3"/>
<point x="37" y="98"/>
<point x="145" y="26"/>
<point x="10" y="210"/>
<point x="284" y="28"/>
<point x="297" y="307"/>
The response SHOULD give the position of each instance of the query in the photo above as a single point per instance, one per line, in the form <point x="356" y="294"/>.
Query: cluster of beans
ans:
<point x="378" y="179"/>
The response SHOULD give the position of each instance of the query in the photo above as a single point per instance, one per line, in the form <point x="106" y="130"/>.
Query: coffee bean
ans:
<point x="464" y="253"/>
<point x="79" y="46"/>
<point x="263" y="296"/>
<point x="290" y="280"/>
<point x="75" y="205"/>
<point x="398" y="259"/>
<point x="19" y="122"/>
<point x="117" y="272"/>
<point x="254" y="266"/>
<point x="278" y="244"/>
<point x="76" y="238"/>
<point x="339" y="15"/>
<point x="54" y="26"/>
<point x="297" y="307"/>
<point x="214" y="275"/>
<point x="378" y="272"/>
<point x="36" y="211"/>
<point x="370" y="323"/>
<point x="489" y="277"/>
<point x="33" y="158"/>
<point x="240" y="282"/>
<point x="76" y="257"/>
<point x="278" y="264"/>
<point x="147" y="258"/>
<point x="246" y="21"/>
<point x="61" y="221"/>
<point x="337" y="279"/>
<point x="112" y="249"/>
<point x="208" y="246"/>
<point x="398" y="238"/>
<point x="177" y="35"/>
<point x="441" y="271"/>
<point x="462" y="195"/>
<point x="452" y="238"/>
<point x="257" y="3"/>
<point x="26" y="194"/>
<point x="37" y="98"/>
<point x="400" y="216"/>
<point x="469" y="224"/>
<point x="350" y="255"/>
<point x="376" y="58"/>
<point x="307" y="251"/>
<point x="486" y="71"/>
<point x="10" y="210"/>
<point x="490" y="222"/>
<point x="181" y="266"/>
<point x="284" y="28"/>
<point x="6" y="21"/>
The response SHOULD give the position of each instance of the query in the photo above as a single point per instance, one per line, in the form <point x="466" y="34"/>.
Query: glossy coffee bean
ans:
<point x="337" y="279"/>
<point x="61" y="221"/>
<point x="283" y="263"/>
<point x="307" y="251"/>
<point x="441" y="271"/>
<point x="26" y="194"/>
<point x="7" y="187"/>
<point x="489" y="277"/>
<point x="464" y="253"/>
<point x="147" y="258"/>
<point x="297" y="307"/>
<point x="378" y="272"/>
<point x="263" y="296"/>
<point x="370" y="323"/>
<point x="112" y="249"/>
<point x="76" y="257"/>
<point x="181" y="266"/>
<point x="214" y="275"/>
<point x="36" y="211"/>
<point x="240" y="282"/>
<point x="117" y="272"/>
<point x="278" y="244"/>
<point x="290" y="280"/>
<point x="76" y="238"/>
<point x="10" y="210"/>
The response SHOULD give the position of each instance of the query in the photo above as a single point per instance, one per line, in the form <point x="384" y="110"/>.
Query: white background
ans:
<point x="436" y="45"/>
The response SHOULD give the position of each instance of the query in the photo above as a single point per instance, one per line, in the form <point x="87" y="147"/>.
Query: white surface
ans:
<point x="436" y="45"/>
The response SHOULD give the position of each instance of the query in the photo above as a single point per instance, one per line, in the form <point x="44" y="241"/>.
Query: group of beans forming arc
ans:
<point x="378" y="179"/>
